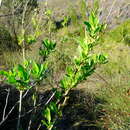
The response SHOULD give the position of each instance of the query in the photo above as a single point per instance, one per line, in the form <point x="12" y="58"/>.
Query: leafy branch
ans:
<point x="83" y="66"/>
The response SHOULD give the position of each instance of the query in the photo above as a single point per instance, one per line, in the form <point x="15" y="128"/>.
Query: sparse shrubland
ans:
<point x="52" y="77"/>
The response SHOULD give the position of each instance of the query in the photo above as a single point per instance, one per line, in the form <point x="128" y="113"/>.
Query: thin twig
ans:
<point x="6" y="117"/>
<point x="23" y="30"/>
<point x="110" y="9"/>
<point x="7" y="98"/>
<point x="0" y="2"/>
<point x="14" y="12"/>
<point x="40" y="104"/>
<point x="20" y="109"/>
<point x="102" y="78"/>
<point x="33" y="113"/>
<point x="50" y="98"/>
<point x="39" y="126"/>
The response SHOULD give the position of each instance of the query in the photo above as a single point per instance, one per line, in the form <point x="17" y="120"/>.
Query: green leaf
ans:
<point x="58" y="95"/>
<point x="47" y="47"/>
<point x="26" y="63"/>
<point x="102" y="59"/>
<point x="22" y="73"/>
<point x="4" y="73"/>
<point x="53" y="107"/>
<point x="70" y="71"/>
<point x="98" y="29"/>
<point x="77" y="61"/>
<point x="48" y="12"/>
<point x="45" y="123"/>
<point x="30" y="39"/>
<point x="47" y="115"/>
<point x="60" y="113"/>
<point x="11" y="80"/>
<point x="91" y="18"/>
<point x="88" y="26"/>
<point x="35" y="68"/>
<point x="63" y="83"/>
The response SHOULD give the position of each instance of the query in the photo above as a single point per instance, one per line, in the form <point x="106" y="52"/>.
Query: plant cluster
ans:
<point x="83" y="66"/>
<point x="30" y="73"/>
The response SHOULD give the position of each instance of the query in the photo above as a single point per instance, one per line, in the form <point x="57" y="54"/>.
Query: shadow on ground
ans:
<point x="80" y="113"/>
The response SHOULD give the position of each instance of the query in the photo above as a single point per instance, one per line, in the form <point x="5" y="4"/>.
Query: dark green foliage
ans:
<point x="47" y="47"/>
<point x="25" y="76"/>
<point x="22" y="76"/>
<point x="82" y="67"/>
<point x="93" y="27"/>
